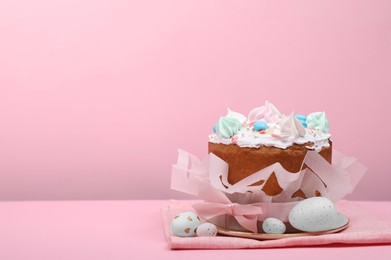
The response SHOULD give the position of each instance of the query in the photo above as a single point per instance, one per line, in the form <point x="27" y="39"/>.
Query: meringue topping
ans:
<point x="281" y="131"/>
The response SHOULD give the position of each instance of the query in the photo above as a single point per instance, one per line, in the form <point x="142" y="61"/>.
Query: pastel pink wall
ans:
<point x="96" y="96"/>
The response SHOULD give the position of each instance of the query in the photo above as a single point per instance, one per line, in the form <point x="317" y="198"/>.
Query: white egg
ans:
<point x="316" y="214"/>
<point x="273" y="226"/>
<point x="185" y="224"/>
<point x="206" y="230"/>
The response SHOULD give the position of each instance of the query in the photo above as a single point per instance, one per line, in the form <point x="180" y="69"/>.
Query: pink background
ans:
<point x="96" y="96"/>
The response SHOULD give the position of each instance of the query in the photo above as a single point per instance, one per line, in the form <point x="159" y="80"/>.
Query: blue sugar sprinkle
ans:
<point x="260" y="125"/>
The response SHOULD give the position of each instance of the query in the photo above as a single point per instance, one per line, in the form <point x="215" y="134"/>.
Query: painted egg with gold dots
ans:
<point x="185" y="224"/>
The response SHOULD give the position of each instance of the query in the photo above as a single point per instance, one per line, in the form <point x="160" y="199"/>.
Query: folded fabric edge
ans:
<point x="164" y="214"/>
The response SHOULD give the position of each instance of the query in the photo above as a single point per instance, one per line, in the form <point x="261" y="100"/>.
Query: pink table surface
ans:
<point x="126" y="229"/>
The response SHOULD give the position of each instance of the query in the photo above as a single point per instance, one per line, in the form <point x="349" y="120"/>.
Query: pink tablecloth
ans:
<point x="364" y="228"/>
<point x="122" y="230"/>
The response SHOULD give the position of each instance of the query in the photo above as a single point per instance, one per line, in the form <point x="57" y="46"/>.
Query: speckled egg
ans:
<point x="316" y="214"/>
<point x="273" y="226"/>
<point x="185" y="224"/>
<point x="206" y="230"/>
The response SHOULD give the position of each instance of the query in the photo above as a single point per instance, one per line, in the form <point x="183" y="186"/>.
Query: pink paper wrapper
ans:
<point x="242" y="206"/>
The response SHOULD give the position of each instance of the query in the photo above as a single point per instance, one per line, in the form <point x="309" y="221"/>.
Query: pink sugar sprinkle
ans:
<point x="262" y="132"/>
<point x="276" y="136"/>
<point x="234" y="139"/>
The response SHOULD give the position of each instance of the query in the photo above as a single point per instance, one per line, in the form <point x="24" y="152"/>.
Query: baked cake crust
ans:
<point x="245" y="161"/>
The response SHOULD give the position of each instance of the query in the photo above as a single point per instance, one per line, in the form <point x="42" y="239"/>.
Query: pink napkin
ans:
<point x="364" y="228"/>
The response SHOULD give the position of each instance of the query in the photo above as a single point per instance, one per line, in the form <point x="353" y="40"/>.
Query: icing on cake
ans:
<point x="266" y="126"/>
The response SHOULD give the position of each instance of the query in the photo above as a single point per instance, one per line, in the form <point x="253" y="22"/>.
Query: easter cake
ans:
<point x="261" y="169"/>
<point x="265" y="137"/>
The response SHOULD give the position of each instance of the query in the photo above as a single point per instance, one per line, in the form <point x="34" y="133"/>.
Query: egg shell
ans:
<point x="206" y="230"/>
<point x="273" y="226"/>
<point x="315" y="214"/>
<point x="260" y="125"/>
<point x="185" y="224"/>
